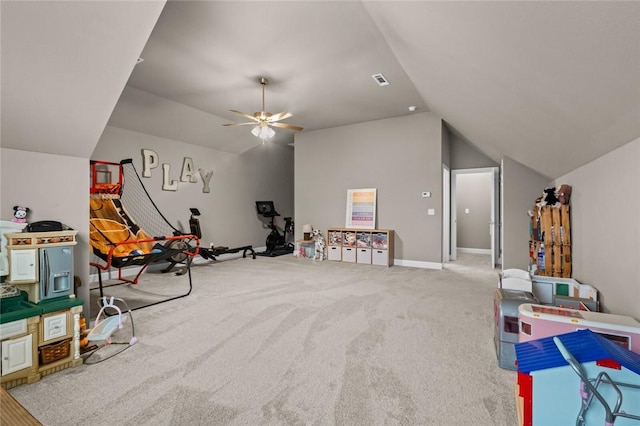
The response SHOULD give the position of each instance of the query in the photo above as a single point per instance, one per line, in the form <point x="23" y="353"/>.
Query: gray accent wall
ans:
<point x="520" y="188"/>
<point x="466" y="156"/>
<point x="400" y="157"/>
<point x="228" y="212"/>
<point x="605" y="227"/>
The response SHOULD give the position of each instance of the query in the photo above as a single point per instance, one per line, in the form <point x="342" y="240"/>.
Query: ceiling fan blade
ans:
<point x="245" y="115"/>
<point x="239" y="124"/>
<point x="286" y="126"/>
<point x="280" y="116"/>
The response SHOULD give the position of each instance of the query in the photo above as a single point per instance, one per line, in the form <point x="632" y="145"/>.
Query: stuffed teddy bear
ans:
<point x="20" y="214"/>
<point x="564" y="194"/>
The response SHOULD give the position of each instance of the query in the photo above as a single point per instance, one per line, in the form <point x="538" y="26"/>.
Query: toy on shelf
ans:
<point x="335" y="238"/>
<point x="380" y="240"/>
<point x="348" y="239"/>
<point x="363" y="239"/>
<point x="20" y="214"/>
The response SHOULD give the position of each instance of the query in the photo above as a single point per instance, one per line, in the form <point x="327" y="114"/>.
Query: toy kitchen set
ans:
<point x="39" y="314"/>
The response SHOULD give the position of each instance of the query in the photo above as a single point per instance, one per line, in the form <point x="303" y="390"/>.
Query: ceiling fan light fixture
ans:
<point x="263" y="132"/>
<point x="263" y="120"/>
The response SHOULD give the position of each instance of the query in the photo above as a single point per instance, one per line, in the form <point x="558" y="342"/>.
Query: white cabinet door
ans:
<point x="16" y="354"/>
<point x="23" y="265"/>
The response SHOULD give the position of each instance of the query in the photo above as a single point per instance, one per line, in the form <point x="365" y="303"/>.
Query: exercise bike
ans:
<point x="277" y="244"/>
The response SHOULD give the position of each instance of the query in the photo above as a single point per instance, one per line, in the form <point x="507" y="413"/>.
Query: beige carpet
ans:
<point x="285" y="341"/>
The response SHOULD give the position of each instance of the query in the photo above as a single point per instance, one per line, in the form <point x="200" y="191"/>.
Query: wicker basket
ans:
<point x="55" y="351"/>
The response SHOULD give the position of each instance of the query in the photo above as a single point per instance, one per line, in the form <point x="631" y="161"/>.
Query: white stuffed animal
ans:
<point x="319" y="244"/>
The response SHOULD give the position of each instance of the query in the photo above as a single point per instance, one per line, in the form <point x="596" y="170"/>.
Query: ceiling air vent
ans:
<point x="380" y="79"/>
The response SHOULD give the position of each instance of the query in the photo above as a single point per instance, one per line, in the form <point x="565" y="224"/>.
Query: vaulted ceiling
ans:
<point x="552" y="85"/>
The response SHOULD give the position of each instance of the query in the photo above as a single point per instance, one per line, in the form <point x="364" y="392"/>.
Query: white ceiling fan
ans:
<point x="263" y="120"/>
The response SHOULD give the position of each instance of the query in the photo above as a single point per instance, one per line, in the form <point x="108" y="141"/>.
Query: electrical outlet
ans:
<point x="426" y="194"/>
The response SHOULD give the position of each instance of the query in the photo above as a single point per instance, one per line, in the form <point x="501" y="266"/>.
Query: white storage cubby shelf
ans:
<point x="365" y="246"/>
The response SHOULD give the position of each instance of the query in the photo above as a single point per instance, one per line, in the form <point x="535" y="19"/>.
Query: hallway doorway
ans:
<point x="474" y="223"/>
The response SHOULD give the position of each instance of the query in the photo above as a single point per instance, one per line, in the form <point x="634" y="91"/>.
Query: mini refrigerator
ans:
<point x="56" y="272"/>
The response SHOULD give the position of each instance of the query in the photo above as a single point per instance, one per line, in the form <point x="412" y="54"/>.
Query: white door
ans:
<point x="23" y="265"/>
<point x="16" y="354"/>
<point x="446" y="214"/>
<point x="493" y="225"/>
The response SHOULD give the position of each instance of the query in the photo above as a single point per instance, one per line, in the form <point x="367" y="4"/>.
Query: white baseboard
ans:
<point x="474" y="250"/>
<point x="417" y="264"/>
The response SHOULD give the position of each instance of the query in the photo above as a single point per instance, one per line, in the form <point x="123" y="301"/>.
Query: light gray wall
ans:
<point x="54" y="187"/>
<point x="401" y="157"/>
<point x="64" y="65"/>
<point x="605" y="227"/>
<point x="520" y="188"/>
<point x="466" y="156"/>
<point x="228" y="212"/>
<point x="473" y="192"/>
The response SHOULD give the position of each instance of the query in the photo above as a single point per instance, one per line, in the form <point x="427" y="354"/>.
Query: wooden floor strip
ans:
<point x="14" y="414"/>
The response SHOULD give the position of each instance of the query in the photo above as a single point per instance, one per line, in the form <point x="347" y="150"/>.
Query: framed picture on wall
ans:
<point x="361" y="208"/>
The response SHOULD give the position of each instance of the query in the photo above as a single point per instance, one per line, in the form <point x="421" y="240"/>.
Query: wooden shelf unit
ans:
<point x="551" y="230"/>
<point x="364" y="246"/>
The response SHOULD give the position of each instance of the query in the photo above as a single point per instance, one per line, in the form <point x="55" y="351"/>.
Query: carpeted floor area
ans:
<point x="286" y="341"/>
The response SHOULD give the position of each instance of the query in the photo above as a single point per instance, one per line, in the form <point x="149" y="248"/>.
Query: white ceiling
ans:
<point x="552" y="85"/>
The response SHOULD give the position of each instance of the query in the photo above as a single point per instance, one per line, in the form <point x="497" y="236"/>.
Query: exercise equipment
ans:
<point x="277" y="244"/>
<point x="211" y="252"/>
<point x="119" y="241"/>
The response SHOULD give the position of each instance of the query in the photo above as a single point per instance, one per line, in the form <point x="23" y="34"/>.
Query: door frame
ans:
<point x="446" y="214"/>
<point x="494" y="224"/>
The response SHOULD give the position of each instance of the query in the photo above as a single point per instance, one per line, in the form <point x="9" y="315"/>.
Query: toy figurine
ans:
<point x="20" y="214"/>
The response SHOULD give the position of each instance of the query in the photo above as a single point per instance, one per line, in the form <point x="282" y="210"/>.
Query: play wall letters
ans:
<point x="151" y="160"/>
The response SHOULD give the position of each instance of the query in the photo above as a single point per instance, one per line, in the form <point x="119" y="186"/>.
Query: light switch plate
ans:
<point x="426" y="194"/>
<point x="431" y="212"/>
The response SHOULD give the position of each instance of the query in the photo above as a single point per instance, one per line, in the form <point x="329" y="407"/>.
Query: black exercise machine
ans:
<point x="276" y="243"/>
<point x="211" y="252"/>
